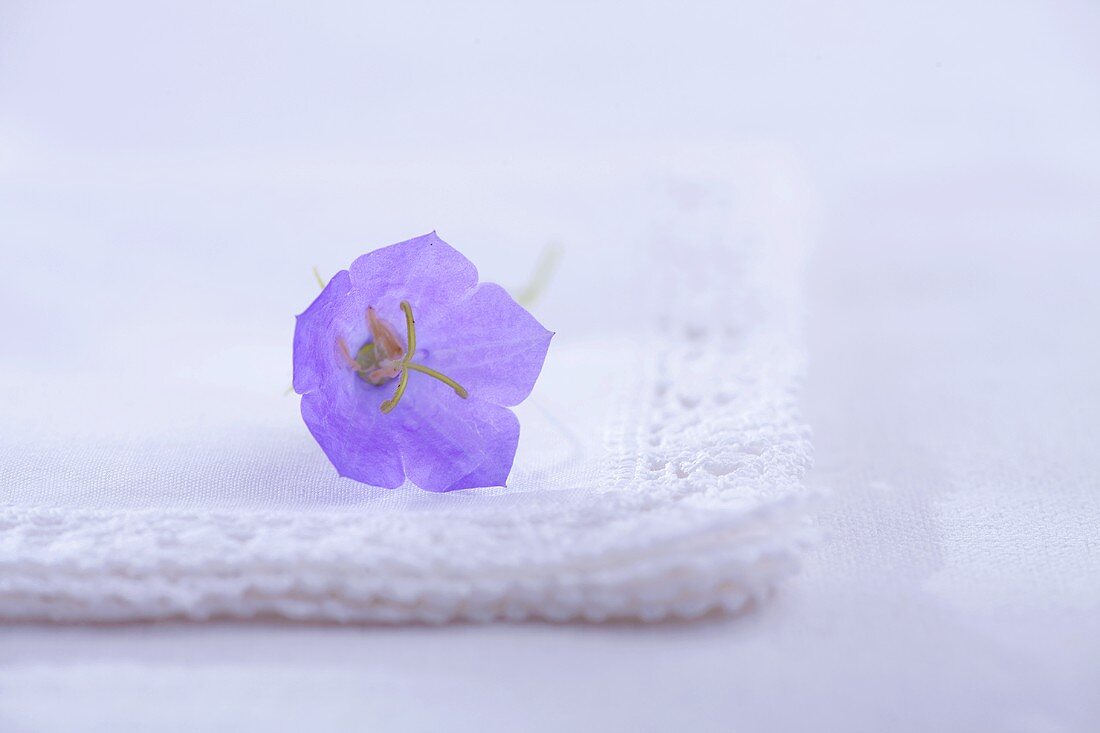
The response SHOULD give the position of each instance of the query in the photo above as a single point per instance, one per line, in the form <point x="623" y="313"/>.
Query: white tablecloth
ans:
<point x="951" y="385"/>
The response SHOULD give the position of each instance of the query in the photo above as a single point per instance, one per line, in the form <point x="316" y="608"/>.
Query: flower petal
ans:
<point x="451" y="443"/>
<point x="332" y="315"/>
<point x="502" y="435"/>
<point x="354" y="435"/>
<point x="487" y="342"/>
<point x="340" y="409"/>
<point x="421" y="270"/>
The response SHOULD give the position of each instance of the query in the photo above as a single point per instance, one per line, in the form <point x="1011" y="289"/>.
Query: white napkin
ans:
<point x="152" y="466"/>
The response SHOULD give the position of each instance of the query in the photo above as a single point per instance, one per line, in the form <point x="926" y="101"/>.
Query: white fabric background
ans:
<point x="661" y="458"/>
<point x="952" y="378"/>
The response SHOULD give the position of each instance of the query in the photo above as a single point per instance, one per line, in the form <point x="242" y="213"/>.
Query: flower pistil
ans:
<point x="385" y="358"/>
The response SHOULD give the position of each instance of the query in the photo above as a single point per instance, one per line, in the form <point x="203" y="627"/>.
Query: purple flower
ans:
<point x="407" y="367"/>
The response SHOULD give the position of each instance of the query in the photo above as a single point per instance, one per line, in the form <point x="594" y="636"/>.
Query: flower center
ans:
<point x="385" y="358"/>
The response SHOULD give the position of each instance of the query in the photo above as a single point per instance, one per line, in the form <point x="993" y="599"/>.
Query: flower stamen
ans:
<point x="344" y="352"/>
<point x="386" y="343"/>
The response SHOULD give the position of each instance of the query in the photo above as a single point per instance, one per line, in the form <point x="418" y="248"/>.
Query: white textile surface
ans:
<point x="154" y="468"/>
<point x="951" y="337"/>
